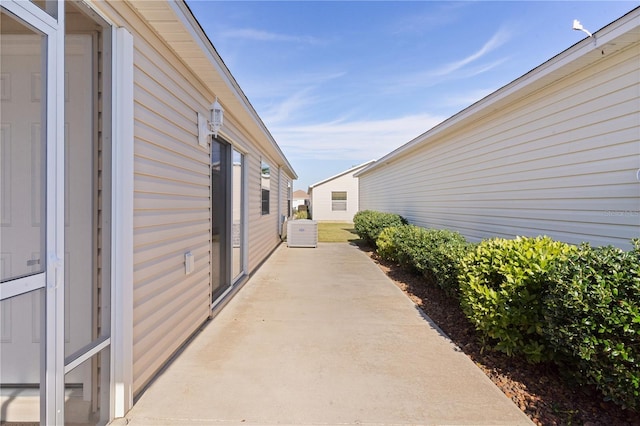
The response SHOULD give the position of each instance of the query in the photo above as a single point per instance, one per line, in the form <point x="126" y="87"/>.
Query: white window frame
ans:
<point x="263" y="188"/>
<point x="335" y="203"/>
<point x="122" y="224"/>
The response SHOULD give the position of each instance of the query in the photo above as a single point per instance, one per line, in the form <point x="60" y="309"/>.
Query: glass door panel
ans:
<point x="49" y="6"/>
<point x="21" y="339"/>
<point x="87" y="201"/>
<point x="237" y="214"/>
<point x="79" y="236"/>
<point x="22" y="219"/>
<point x="219" y="203"/>
<point x="22" y="150"/>
<point x="31" y="252"/>
<point x="86" y="401"/>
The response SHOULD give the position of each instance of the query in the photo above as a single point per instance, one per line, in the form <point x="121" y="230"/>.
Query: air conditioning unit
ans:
<point x="302" y="233"/>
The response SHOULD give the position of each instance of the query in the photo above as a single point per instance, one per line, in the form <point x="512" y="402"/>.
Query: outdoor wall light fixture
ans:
<point x="211" y="126"/>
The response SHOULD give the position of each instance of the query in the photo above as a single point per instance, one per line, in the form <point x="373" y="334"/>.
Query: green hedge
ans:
<point x="534" y="297"/>
<point x="592" y="315"/>
<point x="435" y="253"/>
<point x="368" y="224"/>
<point x="502" y="285"/>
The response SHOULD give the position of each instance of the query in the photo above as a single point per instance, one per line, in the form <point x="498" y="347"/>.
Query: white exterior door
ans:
<point x="22" y="204"/>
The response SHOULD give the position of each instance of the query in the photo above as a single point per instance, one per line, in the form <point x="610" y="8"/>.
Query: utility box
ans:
<point x="302" y="233"/>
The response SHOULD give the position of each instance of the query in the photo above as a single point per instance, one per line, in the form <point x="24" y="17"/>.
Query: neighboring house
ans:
<point x="336" y="199"/>
<point x="123" y="229"/>
<point x="300" y="198"/>
<point x="555" y="152"/>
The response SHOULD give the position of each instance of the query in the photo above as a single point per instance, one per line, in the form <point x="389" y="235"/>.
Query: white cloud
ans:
<point x="283" y="110"/>
<point x="498" y="39"/>
<point x="467" y="67"/>
<point x="351" y="140"/>
<point x="293" y="86"/>
<point x="260" y="35"/>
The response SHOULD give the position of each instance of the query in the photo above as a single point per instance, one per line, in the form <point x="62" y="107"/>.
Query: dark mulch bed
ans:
<point x="538" y="389"/>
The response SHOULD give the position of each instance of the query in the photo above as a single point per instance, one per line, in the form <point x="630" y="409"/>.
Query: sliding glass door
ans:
<point x="237" y="193"/>
<point x="220" y="154"/>
<point x="227" y="217"/>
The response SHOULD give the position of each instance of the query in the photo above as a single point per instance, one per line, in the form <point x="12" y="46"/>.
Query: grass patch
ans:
<point x="336" y="232"/>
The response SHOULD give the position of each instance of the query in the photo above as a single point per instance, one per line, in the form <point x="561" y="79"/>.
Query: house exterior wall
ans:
<point x="262" y="235"/>
<point x="320" y="197"/>
<point x="560" y="161"/>
<point x="300" y="198"/>
<point x="286" y="198"/>
<point x="172" y="197"/>
<point x="171" y="202"/>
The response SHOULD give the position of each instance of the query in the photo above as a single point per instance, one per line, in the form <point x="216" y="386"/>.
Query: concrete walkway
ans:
<point x="322" y="337"/>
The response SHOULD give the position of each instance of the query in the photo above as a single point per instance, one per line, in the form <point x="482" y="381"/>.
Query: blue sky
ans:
<point x="339" y="83"/>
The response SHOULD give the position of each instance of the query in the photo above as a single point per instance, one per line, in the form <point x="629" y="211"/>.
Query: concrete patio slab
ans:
<point x="322" y="337"/>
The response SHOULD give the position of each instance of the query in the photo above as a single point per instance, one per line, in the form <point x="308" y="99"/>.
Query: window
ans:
<point x="338" y="201"/>
<point x="289" y="190"/>
<point x="265" y="186"/>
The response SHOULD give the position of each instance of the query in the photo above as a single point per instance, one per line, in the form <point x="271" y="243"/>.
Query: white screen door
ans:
<point x="30" y="211"/>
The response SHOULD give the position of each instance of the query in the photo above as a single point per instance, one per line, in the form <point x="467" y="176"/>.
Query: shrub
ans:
<point x="369" y="224"/>
<point x="502" y="283"/>
<point x="387" y="243"/>
<point x="402" y="244"/>
<point x="593" y="319"/>
<point x="434" y="253"/>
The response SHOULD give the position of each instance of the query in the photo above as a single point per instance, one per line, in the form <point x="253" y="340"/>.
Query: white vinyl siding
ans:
<point x="561" y="161"/>
<point x="321" y="196"/>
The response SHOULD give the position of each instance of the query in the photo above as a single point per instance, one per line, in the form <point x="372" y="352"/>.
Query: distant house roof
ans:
<point x="299" y="194"/>
<point x="351" y="170"/>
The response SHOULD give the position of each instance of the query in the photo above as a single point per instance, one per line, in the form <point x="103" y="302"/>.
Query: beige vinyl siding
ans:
<point x="285" y="181"/>
<point x="263" y="237"/>
<point x="171" y="200"/>
<point x="561" y="162"/>
<point x="262" y="230"/>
